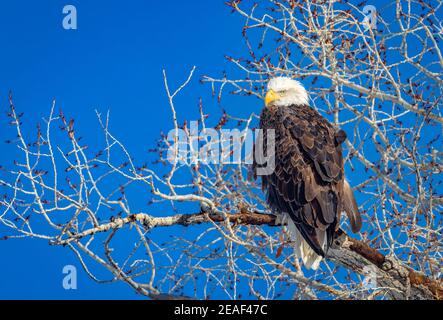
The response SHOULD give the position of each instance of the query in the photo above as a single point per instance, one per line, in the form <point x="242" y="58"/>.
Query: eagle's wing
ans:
<point x="307" y="182"/>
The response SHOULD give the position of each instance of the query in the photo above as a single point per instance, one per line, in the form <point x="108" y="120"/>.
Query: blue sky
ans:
<point x="113" y="61"/>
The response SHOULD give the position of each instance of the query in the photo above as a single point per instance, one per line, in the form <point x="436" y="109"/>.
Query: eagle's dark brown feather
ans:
<point x="308" y="179"/>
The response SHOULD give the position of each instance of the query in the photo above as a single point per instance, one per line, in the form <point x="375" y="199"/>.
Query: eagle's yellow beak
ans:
<point x="271" y="95"/>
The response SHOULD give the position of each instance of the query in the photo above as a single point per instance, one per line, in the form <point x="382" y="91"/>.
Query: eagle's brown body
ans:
<point x="308" y="182"/>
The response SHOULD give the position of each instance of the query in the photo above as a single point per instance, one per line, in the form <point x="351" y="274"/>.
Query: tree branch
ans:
<point x="400" y="281"/>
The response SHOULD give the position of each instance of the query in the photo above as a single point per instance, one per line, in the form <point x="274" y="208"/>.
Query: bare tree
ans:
<point x="380" y="81"/>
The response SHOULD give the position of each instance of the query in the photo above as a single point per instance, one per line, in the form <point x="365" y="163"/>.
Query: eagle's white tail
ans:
<point x="310" y="259"/>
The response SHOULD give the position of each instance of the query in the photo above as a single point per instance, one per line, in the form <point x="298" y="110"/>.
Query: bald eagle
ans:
<point x="307" y="187"/>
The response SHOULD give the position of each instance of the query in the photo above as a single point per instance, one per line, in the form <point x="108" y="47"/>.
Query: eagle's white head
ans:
<point x="284" y="91"/>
